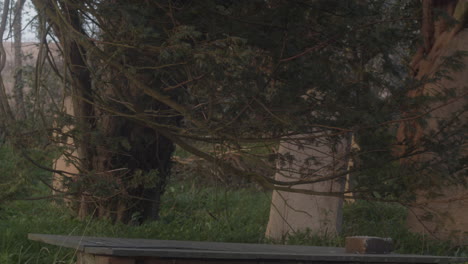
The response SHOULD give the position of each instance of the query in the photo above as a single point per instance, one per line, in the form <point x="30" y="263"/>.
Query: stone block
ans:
<point x="368" y="245"/>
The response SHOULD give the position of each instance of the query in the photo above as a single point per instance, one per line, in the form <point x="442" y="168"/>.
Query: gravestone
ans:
<point x="66" y="161"/>
<point x="303" y="160"/>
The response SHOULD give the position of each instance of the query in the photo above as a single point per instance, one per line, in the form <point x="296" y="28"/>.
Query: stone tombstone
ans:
<point x="66" y="161"/>
<point x="302" y="160"/>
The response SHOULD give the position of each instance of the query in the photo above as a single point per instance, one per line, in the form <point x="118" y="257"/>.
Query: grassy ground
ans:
<point x="193" y="213"/>
<point x="209" y="214"/>
<point x="192" y="209"/>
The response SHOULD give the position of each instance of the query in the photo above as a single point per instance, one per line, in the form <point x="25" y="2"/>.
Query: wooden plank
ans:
<point x="269" y="256"/>
<point x="83" y="258"/>
<point x="113" y="260"/>
<point x="95" y="259"/>
<point x="80" y="243"/>
<point x="193" y="261"/>
<point x="63" y="241"/>
<point x="163" y="249"/>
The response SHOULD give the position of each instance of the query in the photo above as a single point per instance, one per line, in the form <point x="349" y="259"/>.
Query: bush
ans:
<point x="364" y="218"/>
<point x="12" y="175"/>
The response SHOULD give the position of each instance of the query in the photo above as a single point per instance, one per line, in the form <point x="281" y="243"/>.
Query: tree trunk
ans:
<point x="18" y="65"/>
<point x="292" y="212"/>
<point x="120" y="166"/>
<point x="135" y="159"/>
<point x="440" y="210"/>
<point x="6" y="113"/>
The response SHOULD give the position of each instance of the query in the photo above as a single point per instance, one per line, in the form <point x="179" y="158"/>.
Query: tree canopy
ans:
<point x="145" y="75"/>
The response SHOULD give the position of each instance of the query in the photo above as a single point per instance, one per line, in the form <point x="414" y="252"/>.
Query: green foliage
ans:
<point x="203" y="214"/>
<point x="187" y="213"/>
<point x="233" y="71"/>
<point x="220" y="215"/>
<point x="364" y="218"/>
<point x="389" y="220"/>
<point x="11" y="179"/>
<point x="18" y="176"/>
<point x="230" y="72"/>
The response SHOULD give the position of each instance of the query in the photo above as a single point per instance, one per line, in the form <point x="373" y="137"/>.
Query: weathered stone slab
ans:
<point x="296" y="212"/>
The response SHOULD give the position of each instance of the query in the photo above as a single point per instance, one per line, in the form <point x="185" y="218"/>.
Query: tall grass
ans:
<point x="191" y="212"/>
<point x="188" y="213"/>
